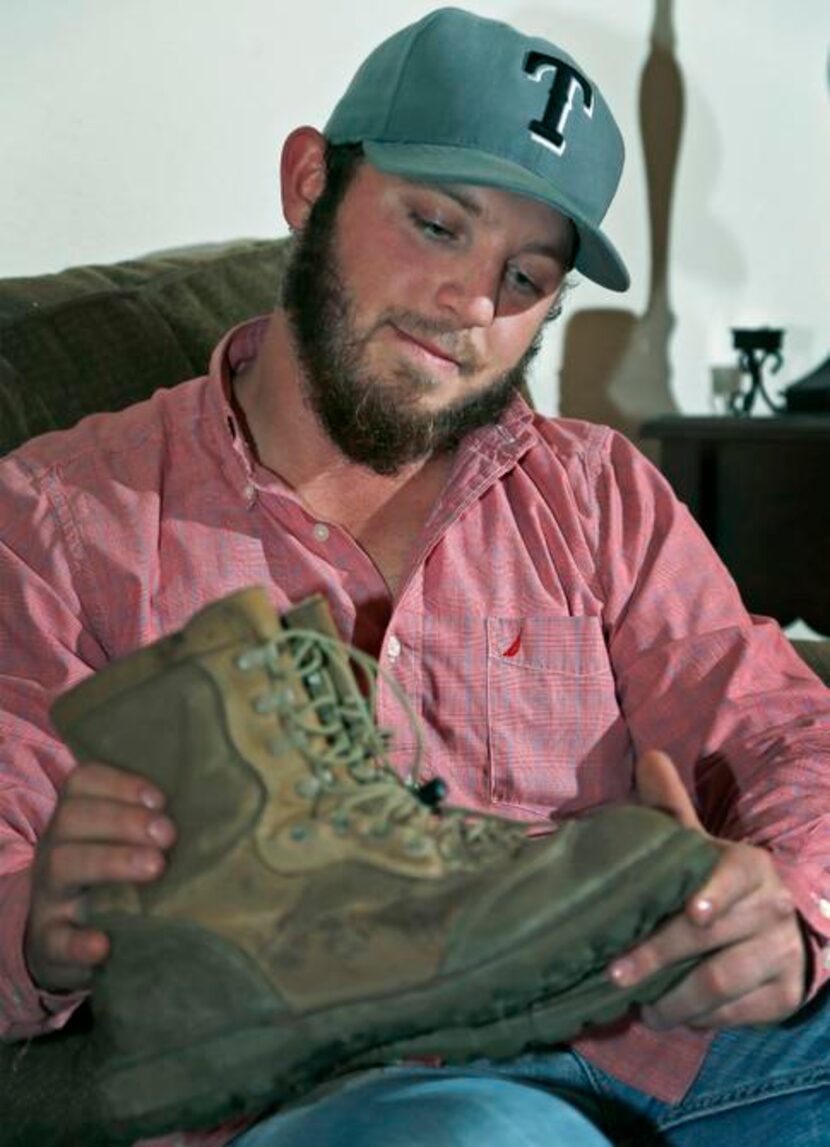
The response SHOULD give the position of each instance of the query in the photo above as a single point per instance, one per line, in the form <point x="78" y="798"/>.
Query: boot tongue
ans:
<point x="312" y="613"/>
<point x="243" y="618"/>
<point x="246" y="615"/>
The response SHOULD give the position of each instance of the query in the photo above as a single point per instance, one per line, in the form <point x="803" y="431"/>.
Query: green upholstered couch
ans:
<point x="98" y="338"/>
<point x="102" y="337"/>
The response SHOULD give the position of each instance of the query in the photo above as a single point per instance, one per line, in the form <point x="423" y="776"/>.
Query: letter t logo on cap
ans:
<point x="550" y="129"/>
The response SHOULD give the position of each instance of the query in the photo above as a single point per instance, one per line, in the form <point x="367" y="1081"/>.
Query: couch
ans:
<point x="101" y="337"/>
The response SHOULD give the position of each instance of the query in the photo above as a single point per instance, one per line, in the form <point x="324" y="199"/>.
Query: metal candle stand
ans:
<point x="755" y="349"/>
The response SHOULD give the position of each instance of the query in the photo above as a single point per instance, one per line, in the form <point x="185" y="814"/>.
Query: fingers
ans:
<point x="97" y="780"/>
<point x="69" y="868"/>
<point x="92" y="818"/>
<point x="67" y="956"/>
<point x="760" y="980"/>
<point x="745" y="878"/>
<point x="107" y="827"/>
<point x="744" y="927"/>
<point x="743" y="898"/>
<point x="94" y="839"/>
<point x="59" y="951"/>
<point x="659" y="786"/>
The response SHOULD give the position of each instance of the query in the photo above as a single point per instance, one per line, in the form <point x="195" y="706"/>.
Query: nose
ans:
<point x="470" y="294"/>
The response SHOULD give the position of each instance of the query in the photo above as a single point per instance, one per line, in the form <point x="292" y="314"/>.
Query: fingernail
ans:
<point x="703" y="908"/>
<point x="147" y="864"/>
<point x="160" y="830"/>
<point x="621" y="972"/>
<point x="152" y="798"/>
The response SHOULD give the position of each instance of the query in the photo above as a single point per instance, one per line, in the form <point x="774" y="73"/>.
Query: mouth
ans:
<point x="432" y="352"/>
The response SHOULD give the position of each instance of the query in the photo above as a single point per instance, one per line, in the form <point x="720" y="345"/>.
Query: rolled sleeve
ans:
<point x="807" y="885"/>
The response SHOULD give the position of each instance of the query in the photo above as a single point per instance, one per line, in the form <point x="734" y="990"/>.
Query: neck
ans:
<point x="289" y="440"/>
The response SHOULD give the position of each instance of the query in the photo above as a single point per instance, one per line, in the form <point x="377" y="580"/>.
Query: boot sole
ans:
<point x="494" y="1011"/>
<point x="594" y="1001"/>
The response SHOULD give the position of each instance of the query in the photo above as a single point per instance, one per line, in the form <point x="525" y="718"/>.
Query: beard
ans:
<point x="377" y="421"/>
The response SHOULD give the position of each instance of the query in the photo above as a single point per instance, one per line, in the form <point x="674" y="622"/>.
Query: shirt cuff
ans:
<point x="808" y="884"/>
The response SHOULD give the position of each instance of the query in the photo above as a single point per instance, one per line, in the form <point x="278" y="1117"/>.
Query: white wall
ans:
<point x="132" y="125"/>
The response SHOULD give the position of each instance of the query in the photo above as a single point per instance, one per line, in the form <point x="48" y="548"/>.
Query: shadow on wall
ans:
<point x="615" y="367"/>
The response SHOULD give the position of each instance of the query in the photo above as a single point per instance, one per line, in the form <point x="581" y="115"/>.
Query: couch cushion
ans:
<point x="100" y="338"/>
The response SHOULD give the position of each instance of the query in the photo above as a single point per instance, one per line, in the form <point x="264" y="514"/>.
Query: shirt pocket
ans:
<point x="556" y="737"/>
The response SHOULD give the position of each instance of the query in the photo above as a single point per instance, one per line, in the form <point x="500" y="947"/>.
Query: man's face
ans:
<point x="417" y="309"/>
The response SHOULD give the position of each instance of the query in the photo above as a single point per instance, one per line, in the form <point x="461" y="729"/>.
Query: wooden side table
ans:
<point x="760" y="488"/>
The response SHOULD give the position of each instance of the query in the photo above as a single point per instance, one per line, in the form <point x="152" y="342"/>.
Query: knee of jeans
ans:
<point x="468" y="1112"/>
<point x="440" y="1109"/>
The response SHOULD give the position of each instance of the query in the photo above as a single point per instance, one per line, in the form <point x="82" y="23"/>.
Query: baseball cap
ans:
<point x="456" y="97"/>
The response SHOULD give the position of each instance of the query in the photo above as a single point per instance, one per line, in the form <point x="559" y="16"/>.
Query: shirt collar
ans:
<point x="237" y="348"/>
<point x="500" y="443"/>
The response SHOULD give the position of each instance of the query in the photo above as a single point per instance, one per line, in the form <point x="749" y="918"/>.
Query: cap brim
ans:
<point x="597" y="258"/>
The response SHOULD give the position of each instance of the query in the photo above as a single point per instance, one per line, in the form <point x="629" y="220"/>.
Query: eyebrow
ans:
<point x="562" y="253"/>
<point x="452" y="192"/>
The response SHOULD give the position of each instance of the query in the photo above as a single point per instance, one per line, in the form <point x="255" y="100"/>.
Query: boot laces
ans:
<point x="334" y="730"/>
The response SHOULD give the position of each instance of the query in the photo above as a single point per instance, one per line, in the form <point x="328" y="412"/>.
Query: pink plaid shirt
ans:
<point x="561" y="614"/>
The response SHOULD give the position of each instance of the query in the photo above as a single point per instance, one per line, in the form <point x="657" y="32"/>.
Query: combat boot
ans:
<point x="315" y="908"/>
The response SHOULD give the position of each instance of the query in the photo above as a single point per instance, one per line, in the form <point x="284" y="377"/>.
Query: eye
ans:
<point x="432" y="228"/>
<point x="522" y="282"/>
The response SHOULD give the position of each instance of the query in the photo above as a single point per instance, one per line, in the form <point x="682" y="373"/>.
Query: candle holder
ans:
<point x="756" y="348"/>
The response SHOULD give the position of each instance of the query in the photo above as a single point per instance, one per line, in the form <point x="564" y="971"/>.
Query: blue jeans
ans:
<point x="769" y="1086"/>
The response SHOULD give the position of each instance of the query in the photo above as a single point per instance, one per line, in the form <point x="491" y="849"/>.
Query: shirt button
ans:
<point x="321" y="532"/>
<point x="824" y="908"/>
<point x="393" y="648"/>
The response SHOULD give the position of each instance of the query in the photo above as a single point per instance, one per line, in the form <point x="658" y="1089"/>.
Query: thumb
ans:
<point x="658" y="785"/>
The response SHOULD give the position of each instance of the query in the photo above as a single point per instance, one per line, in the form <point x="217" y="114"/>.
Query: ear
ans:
<point x="302" y="174"/>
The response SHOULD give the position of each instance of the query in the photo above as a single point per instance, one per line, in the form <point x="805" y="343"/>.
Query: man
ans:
<point x="532" y="583"/>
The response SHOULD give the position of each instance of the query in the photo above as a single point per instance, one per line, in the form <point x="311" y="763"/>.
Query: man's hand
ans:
<point x="107" y="827"/>
<point x="743" y="916"/>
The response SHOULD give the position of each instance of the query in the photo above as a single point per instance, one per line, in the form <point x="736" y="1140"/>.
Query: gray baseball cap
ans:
<point x="459" y="98"/>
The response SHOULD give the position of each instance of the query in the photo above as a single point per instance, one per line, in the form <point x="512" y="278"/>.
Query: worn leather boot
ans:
<point x="316" y="909"/>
